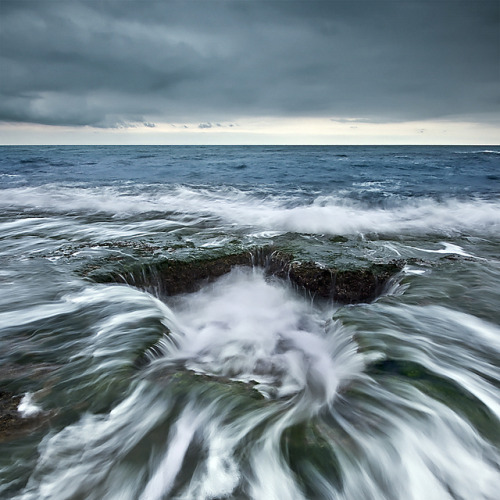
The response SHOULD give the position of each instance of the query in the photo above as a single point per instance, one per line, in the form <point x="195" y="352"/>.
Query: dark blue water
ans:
<point x="254" y="389"/>
<point x="401" y="170"/>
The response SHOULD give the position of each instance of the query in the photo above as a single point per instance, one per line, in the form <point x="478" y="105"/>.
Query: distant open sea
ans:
<point x="250" y="386"/>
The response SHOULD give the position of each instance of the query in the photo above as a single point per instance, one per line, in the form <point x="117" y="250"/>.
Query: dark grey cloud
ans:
<point x="116" y="63"/>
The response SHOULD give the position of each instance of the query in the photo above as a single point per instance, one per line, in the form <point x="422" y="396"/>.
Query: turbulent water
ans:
<point x="249" y="388"/>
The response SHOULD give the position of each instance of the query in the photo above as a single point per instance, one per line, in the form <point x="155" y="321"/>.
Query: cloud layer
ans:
<point x="117" y="63"/>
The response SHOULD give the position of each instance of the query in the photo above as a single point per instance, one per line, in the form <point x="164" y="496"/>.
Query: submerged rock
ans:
<point x="12" y="423"/>
<point x="306" y="449"/>
<point x="443" y="389"/>
<point x="183" y="381"/>
<point x="346" y="286"/>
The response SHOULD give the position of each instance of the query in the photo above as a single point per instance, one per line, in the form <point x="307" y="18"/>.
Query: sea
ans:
<point x="249" y="387"/>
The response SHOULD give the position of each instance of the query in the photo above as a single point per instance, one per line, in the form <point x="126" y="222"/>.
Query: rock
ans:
<point x="171" y="277"/>
<point x="12" y="424"/>
<point x="305" y="447"/>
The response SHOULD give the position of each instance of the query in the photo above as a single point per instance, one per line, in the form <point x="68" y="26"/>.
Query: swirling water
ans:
<point x="250" y="388"/>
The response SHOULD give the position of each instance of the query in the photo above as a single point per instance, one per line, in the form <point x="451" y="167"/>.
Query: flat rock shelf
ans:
<point x="168" y="277"/>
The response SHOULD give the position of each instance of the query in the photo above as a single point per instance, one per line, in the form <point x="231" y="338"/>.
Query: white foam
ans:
<point x="413" y="271"/>
<point x="480" y="151"/>
<point x="27" y="408"/>
<point x="269" y="214"/>
<point x="248" y="329"/>
<point x="448" y="248"/>
<point x="182" y="434"/>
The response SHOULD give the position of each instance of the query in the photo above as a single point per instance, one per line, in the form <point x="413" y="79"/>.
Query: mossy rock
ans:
<point x="241" y="396"/>
<point x="304" y="448"/>
<point x="171" y="277"/>
<point x="441" y="389"/>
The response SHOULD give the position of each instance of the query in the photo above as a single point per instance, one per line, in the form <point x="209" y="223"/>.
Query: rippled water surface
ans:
<point x="249" y="387"/>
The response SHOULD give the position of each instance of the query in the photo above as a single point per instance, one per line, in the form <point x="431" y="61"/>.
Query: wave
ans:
<point x="264" y="210"/>
<point x="478" y="152"/>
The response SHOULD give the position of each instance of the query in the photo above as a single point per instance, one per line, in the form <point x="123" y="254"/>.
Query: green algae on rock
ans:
<point x="168" y="277"/>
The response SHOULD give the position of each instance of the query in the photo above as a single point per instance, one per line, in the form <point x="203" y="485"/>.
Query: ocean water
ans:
<point x="249" y="388"/>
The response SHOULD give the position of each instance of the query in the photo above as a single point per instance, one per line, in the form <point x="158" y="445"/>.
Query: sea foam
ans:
<point x="260" y="211"/>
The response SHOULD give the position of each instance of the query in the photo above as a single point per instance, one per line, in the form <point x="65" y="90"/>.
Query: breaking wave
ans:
<point x="264" y="210"/>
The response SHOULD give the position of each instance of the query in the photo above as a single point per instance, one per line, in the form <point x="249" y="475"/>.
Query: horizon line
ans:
<point x="254" y="145"/>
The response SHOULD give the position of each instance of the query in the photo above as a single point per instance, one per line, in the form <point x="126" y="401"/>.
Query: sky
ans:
<point x="250" y="72"/>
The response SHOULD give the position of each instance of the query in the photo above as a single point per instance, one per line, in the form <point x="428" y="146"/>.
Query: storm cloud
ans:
<point x="122" y="63"/>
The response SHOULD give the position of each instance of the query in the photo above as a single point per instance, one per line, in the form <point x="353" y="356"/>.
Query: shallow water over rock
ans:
<point x="333" y="335"/>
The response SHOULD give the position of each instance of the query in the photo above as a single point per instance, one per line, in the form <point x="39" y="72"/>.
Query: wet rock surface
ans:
<point x="12" y="423"/>
<point x="342" y="286"/>
<point x="345" y="286"/>
<point x="183" y="380"/>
